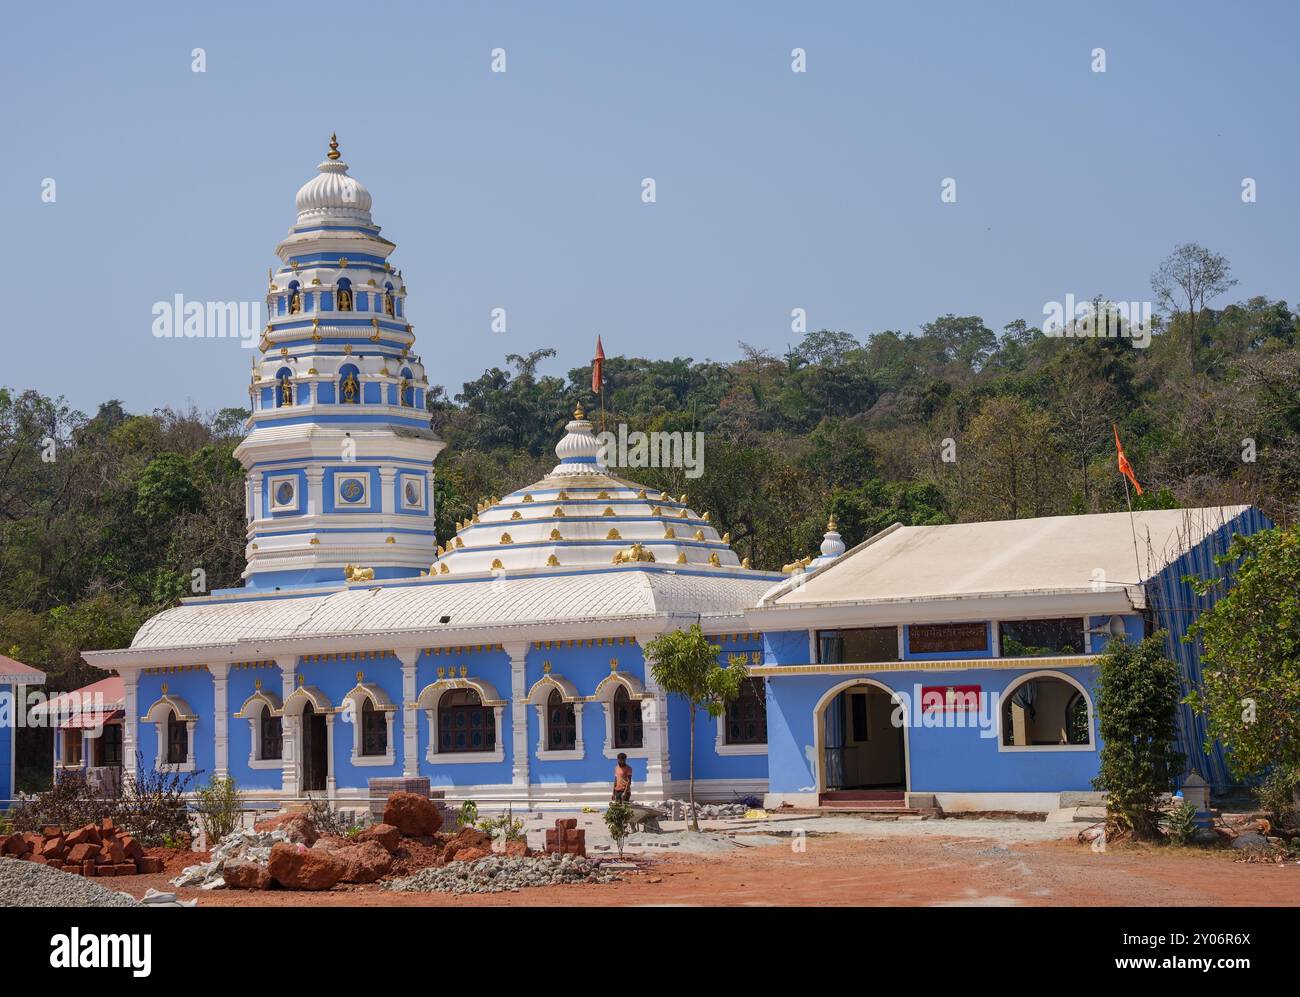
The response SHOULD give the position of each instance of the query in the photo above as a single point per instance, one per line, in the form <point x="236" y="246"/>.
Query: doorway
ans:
<point x="862" y="748"/>
<point x="315" y="750"/>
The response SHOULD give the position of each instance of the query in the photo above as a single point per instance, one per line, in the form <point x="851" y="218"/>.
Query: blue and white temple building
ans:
<point x="509" y="666"/>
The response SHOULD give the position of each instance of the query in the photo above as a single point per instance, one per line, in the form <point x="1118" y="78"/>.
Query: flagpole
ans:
<point x="1132" y="525"/>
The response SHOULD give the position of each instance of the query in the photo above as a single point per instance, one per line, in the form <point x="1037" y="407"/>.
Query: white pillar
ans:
<point x="220" y="718"/>
<point x="330" y="785"/>
<point x="518" y="714"/>
<point x="131" y="709"/>
<point x="654" y="730"/>
<point x="289" y="732"/>
<point x="410" y="717"/>
<point x="315" y="504"/>
<point x="387" y="475"/>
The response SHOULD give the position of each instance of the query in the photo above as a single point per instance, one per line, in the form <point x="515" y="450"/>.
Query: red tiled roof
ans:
<point x="79" y="707"/>
<point x="18" y="673"/>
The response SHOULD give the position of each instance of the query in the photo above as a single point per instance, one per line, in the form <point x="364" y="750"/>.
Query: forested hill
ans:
<point x="105" y="519"/>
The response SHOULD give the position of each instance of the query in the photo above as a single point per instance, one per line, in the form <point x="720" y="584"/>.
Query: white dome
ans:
<point x="332" y="194"/>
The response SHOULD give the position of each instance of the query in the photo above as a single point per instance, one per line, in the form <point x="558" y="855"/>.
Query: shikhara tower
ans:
<point x="339" y="454"/>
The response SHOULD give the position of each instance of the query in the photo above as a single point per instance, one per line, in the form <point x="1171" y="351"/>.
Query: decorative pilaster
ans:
<point x="315" y="491"/>
<point x="290" y="732"/>
<point x="518" y="714"/>
<point x="654" y="729"/>
<point x="220" y="718"/>
<point x="387" y="480"/>
<point x="131" y="707"/>
<point x="410" y="716"/>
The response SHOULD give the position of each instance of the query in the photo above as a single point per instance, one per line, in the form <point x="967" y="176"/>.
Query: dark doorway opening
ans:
<point x="315" y="748"/>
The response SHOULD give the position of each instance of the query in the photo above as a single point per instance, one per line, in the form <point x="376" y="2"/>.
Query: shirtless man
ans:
<point x="622" y="779"/>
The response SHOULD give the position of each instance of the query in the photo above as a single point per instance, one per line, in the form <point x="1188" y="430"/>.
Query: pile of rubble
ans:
<point x="101" y="849"/>
<point x="681" y="809"/>
<point x="288" y="850"/>
<point x="503" y="873"/>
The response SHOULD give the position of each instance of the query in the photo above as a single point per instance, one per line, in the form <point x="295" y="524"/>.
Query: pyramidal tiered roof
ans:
<point x="579" y="515"/>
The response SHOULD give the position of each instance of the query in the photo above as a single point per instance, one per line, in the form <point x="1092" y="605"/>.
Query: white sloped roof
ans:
<point x="583" y="597"/>
<point x="1006" y="557"/>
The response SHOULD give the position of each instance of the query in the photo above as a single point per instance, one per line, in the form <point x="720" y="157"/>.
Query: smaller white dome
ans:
<point x="832" y="546"/>
<point x="332" y="194"/>
<point x="578" y="449"/>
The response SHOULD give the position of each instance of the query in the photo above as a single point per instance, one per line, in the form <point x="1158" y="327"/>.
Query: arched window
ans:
<point x="389" y="302"/>
<point x="561" y="724"/>
<point x="271" y="733"/>
<point x="295" y="298"/>
<point x="178" y="740"/>
<point x="349" y="385"/>
<point x="407" y="395"/>
<point x="283" y="387"/>
<point x="464" y="723"/>
<point x="1043" y="711"/>
<point x="374" y="730"/>
<point x="747" y="714"/>
<point x="343" y="296"/>
<point x="627" y="720"/>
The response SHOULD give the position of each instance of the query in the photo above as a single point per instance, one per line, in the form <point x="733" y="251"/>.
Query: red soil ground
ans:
<point x="848" y="870"/>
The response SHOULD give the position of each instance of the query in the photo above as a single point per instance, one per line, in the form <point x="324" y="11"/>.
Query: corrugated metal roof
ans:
<point x="18" y="673"/>
<point x="616" y="593"/>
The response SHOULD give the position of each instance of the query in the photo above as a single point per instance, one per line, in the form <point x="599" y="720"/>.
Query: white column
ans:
<point x="255" y="483"/>
<point x="410" y="717"/>
<point x="220" y="718"/>
<point x="315" y="504"/>
<point x="131" y="709"/>
<point x="654" y="731"/>
<point x="330" y="784"/>
<point x="387" y="475"/>
<point x="518" y="714"/>
<point x="290" y="732"/>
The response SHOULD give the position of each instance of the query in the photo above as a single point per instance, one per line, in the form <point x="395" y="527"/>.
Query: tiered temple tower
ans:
<point x="339" y="454"/>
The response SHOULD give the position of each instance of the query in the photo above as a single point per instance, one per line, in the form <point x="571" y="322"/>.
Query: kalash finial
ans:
<point x="830" y="524"/>
<point x="334" y="147"/>
<point x="577" y="411"/>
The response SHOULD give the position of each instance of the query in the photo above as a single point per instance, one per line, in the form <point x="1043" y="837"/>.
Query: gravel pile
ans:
<point x="30" y="884"/>
<point x="503" y="873"/>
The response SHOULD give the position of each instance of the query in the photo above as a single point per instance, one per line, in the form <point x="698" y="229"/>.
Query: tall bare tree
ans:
<point x="1187" y="278"/>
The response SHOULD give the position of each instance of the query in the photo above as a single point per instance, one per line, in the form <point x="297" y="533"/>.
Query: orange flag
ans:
<point x="597" y="366"/>
<point x="1125" y="468"/>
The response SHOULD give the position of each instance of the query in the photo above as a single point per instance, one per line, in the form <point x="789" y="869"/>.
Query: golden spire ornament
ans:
<point x="333" y="154"/>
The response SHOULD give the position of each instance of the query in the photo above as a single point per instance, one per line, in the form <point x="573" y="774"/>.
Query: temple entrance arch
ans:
<point x="858" y="746"/>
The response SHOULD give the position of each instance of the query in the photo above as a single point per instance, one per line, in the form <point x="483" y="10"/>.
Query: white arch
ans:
<point x="541" y="690"/>
<point x="609" y="685"/>
<point x="1069" y="680"/>
<point x="301" y="696"/>
<point x="251" y="708"/>
<point x="819" y="729"/>
<point x="432" y="693"/>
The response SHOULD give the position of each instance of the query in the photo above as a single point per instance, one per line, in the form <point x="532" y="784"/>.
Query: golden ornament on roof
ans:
<point x="613" y="535"/>
<point x="552" y="561"/>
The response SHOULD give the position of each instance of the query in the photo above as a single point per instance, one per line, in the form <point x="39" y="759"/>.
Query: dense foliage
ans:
<point x="1250" y="686"/>
<point x="1138" y="691"/>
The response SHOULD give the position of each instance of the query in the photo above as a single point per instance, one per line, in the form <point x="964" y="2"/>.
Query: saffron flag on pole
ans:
<point x="597" y="366"/>
<point x="1125" y="468"/>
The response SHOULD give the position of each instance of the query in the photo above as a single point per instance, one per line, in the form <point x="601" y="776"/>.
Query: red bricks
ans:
<point x="92" y="850"/>
<point x="566" y="838"/>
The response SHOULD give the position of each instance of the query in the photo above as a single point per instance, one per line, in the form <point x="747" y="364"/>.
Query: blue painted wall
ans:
<point x="7" y="732"/>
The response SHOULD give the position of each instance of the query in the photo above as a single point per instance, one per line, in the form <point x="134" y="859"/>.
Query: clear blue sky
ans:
<point x="521" y="190"/>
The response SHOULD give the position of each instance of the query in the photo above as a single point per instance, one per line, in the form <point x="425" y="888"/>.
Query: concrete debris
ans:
<point x="502" y="873"/>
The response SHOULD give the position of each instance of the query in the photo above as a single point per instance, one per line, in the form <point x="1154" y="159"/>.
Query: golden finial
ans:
<point x="577" y="411"/>
<point x="164" y="688"/>
<point x="361" y="677"/>
<point x="546" y="668"/>
<point x="464" y="671"/>
<point x="257" y="683"/>
<point x="333" y="154"/>
<point x="745" y="563"/>
<point x="613" y="664"/>
<point x="552" y="561"/>
<point x="830" y="524"/>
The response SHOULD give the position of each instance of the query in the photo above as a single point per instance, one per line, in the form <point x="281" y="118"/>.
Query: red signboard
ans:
<point x="950" y="698"/>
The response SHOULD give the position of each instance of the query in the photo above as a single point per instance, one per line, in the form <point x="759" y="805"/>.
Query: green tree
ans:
<point x="1250" y="675"/>
<point x="1138" y="692"/>
<point x="685" y="664"/>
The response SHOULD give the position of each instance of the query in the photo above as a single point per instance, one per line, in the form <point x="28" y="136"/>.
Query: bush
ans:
<point x="1277" y="796"/>
<point x="153" y="807"/>
<point x="467" y="815"/>
<point x="70" y="803"/>
<point x="327" y="820"/>
<point x="618" y="818"/>
<point x="1180" y="822"/>
<point x="219" y="808"/>
<point x="504" y="828"/>
<point x="1137" y="713"/>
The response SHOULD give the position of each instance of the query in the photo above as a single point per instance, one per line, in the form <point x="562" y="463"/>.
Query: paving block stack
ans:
<point x="566" y="838"/>
<point x="101" y="849"/>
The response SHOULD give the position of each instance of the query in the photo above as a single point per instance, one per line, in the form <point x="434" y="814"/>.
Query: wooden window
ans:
<point x="272" y="732"/>
<point x="863" y="644"/>
<point x="108" y="746"/>
<point x="1036" y="638"/>
<point x="374" y="730"/>
<point x="627" y="720"/>
<point x="72" y="747"/>
<point x="178" y="740"/>
<point x="747" y="714"/>
<point x="561" y="724"/>
<point x="464" y="723"/>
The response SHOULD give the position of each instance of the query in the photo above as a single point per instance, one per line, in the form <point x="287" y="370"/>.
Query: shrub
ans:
<point x="70" y="803"/>
<point x="504" y="828"/>
<point x="467" y="815"/>
<point x="153" y="806"/>
<point x="618" y="818"/>
<point x="219" y="808"/>
<point x="1137" y="713"/>
<point x="1180" y="822"/>
<point x="1277" y="795"/>
<point x="327" y="820"/>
